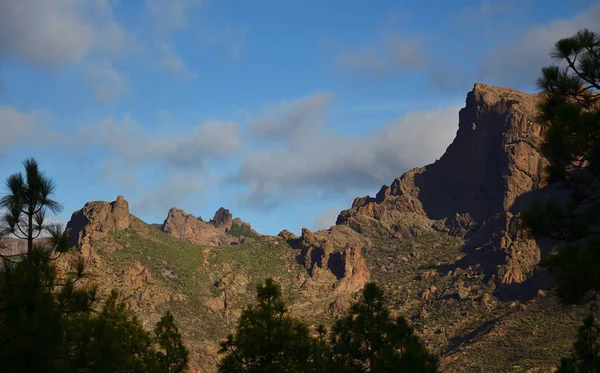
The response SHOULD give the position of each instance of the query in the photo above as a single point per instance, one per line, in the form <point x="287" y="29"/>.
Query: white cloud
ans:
<point x="28" y="128"/>
<point x="217" y="138"/>
<point x="393" y="54"/>
<point x="172" y="64"/>
<point x="407" y="52"/>
<point x="110" y="37"/>
<point x="324" y="163"/>
<point x="290" y="121"/>
<point x="44" y="33"/>
<point x="176" y="158"/>
<point x="176" y="190"/>
<point x="170" y="15"/>
<point x="17" y="126"/>
<point x="365" y="59"/>
<point x="519" y="62"/>
<point x="107" y="83"/>
<point x="52" y="33"/>
<point x="49" y="33"/>
<point x="186" y="150"/>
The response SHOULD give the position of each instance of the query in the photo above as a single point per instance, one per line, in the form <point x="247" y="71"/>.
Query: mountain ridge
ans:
<point x="443" y="240"/>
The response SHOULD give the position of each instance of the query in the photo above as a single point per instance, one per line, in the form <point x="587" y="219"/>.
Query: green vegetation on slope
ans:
<point x="237" y="230"/>
<point x="226" y="276"/>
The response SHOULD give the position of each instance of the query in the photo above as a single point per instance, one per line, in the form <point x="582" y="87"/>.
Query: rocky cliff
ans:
<point x="475" y="190"/>
<point x="333" y="258"/>
<point x="96" y="219"/>
<point x="187" y="227"/>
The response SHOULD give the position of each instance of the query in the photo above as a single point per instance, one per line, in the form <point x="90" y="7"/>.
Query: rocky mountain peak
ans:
<point x="182" y="225"/>
<point x="484" y="178"/>
<point x="493" y="159"/>
<point x="222" y="219"/>
<point x="98" y="218"/>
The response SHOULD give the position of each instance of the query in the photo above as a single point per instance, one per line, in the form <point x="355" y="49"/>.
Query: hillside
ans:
<point x="443" y="240"/>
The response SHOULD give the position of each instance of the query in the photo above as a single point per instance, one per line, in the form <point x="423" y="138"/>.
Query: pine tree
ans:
<point x="369" y="340"/>
<point x="115" y="341"/>
<point x="571" y="112"/>
<point x="586" y="350"/>
<point x="27" y="203"/>
<point x="267" y="339"/>
<point x="47" y="321"/>
<point x="174" y="355"/>
<point x="37" y="311"/>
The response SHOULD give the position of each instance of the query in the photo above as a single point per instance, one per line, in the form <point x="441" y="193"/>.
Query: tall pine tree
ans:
<point x="369" y="340"/>
<point x="267" y="339"/>
<point x="174" y="356"/>
<point x="571" y="111"/>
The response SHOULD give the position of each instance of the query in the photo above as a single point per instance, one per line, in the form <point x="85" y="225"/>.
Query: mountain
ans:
<point x="490" y="173"/>
<point x="443" y="240"/>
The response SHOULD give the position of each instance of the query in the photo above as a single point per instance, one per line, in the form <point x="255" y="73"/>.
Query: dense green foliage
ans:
<point x="39" y="315"/>
<point x="237" y="230"/>
<point x="369" y="340"/>
<point x="366" y="340"/>
<point x="174" y="354"/>
<point x="48" y="325"/>
<point x="571" y="110"/>
<point x="586" y="350"/>
<point x="115" y="342"/>
<point x="48" y="322"/>
<point x="267" y="339"/>
<point x="27" y="202"/>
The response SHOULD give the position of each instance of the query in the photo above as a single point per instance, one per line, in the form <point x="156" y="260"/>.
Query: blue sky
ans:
<point x="281" y="111"/>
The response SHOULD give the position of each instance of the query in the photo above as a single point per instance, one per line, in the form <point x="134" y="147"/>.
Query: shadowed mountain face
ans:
<point x="443" y="240"/>
<point x="493" y="160"/>
<point x="471" y="191"/>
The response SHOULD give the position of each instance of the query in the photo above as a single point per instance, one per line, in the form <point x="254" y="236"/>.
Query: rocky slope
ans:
<point x="443" y="240"/>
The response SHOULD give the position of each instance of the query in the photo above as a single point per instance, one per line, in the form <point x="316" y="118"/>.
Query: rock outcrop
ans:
<point x="187" y="227"/>
<point x="483" y="180"/>
<point x="96" y="219"/>
<point x="222" y="219"/>
<point x="184" y="226"/>
<point x="333" y="257"/>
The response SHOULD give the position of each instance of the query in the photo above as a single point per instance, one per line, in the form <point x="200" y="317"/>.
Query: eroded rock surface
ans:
<point x="182" y="225"/>
<point x="483" y="179"/>
<point x="333" y="257"/>
<point x="222" y="219"/>
<point x="96" y="219"/>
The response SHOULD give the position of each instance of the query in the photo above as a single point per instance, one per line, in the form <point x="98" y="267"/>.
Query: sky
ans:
<point x="281" y="111"/>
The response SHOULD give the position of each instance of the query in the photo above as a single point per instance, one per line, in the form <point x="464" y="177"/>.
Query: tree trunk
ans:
<point x="30" y="232"/>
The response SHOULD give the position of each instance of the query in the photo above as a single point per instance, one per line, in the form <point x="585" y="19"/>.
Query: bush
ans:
<point x="237" y="230"/>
